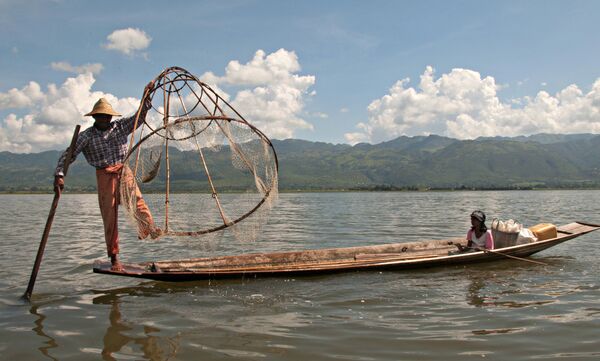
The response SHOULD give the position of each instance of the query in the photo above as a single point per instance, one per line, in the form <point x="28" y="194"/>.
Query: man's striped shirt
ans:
<point x="103" y="148"/>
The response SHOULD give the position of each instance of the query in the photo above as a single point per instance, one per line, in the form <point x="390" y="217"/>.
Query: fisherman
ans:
<point x="104" y="146"/>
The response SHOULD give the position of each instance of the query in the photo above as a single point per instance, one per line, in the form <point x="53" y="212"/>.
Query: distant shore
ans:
<point x="332" y="190"/>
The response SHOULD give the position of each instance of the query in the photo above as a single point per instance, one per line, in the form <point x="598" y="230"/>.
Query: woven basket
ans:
<point x="503" y="239"/>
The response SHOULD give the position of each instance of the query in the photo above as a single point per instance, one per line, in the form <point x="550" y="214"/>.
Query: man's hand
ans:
<point x="149" y="87"/>
<point x="59" y="183"/>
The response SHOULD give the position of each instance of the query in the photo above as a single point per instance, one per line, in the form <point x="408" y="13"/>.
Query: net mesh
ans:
<point x="201" y="167"/>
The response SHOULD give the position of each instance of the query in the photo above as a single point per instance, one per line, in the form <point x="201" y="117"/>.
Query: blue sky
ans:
<point x="334" y="71"/>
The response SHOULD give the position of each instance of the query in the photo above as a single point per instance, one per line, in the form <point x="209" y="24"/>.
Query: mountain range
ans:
<point x="419" y="162"/>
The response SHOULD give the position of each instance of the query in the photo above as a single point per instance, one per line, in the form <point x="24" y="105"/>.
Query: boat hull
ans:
<point x="397" y="256"/>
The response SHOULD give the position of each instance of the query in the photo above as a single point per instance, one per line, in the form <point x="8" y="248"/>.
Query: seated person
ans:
<point x="478" y="237"/>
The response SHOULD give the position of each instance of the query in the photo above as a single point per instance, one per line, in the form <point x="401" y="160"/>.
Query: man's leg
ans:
<point x="107" y="200"/>
<point x="143" y="215"/>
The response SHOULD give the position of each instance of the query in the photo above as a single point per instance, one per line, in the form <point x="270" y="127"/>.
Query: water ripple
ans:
<point x="503" y="310"/>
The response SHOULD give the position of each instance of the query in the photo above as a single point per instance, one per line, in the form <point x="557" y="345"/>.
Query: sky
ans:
<point x="330" y="71"/>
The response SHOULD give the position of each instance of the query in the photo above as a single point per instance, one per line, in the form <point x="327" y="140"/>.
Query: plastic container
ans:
<point x="544" y="231"/>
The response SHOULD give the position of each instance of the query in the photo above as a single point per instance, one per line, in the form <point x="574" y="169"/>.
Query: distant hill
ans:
<point x="421" y="162"/>
<point x="545" y="138"/>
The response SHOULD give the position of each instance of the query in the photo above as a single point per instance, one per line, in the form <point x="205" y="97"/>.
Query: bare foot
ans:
<point x="156" y="232"/>
<point x="116" y="265"/>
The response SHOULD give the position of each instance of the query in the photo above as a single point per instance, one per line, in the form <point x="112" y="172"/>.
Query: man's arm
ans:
<point x="58" y="172"/>
<point x="128" y="123"/>
<point x="489" y="240"/>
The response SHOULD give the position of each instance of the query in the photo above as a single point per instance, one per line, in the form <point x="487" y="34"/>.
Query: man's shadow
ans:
<point x="117" y="335"/>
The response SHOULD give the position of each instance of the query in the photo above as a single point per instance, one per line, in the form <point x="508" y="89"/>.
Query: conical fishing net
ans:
<point x="197" y="164"/>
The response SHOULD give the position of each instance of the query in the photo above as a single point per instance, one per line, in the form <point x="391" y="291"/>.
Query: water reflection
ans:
<point x="39" y="330"/>
<point x="118" y="335"/>
<point x="486" y="289"/>
<point x="497" y="331"/>
<point x="475" y="296"/>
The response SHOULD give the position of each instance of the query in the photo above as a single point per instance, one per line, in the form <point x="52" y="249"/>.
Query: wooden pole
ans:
<point x="57" y="191"/>
<point x="509" y="256"/>
<point x="167" y="101"/>
<point x="203" y="160"/>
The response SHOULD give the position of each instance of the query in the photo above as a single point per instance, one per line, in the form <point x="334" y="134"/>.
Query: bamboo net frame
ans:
<point x="188" y="115"/>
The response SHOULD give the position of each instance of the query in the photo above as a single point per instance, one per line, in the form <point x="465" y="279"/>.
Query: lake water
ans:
<point x="502" y="310"/>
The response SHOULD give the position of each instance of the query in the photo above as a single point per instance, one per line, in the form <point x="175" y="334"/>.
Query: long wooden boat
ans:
<point x="385" y="256"/>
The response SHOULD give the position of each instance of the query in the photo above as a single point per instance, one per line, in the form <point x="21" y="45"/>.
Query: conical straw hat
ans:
<point x="102" y="106"/>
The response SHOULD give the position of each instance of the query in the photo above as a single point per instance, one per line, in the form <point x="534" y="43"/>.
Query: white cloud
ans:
<point x="461" y="104"/>
<point x="41" y="119"/>
<point x="94" y="68"/>
<point x="272" y="93"/>
<point x="51" y="115"/>
<point x="26" y="97"/>
<point x="344" y="110"/>
<point x="128" y="41"/>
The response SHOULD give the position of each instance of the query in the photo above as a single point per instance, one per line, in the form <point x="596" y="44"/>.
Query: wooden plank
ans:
<point x="401" y="255"/>
<point x="276" y="262"/>
<point x="577" y="227"/>
<point x="356" y="260"/>
<point x="309" y="256"/>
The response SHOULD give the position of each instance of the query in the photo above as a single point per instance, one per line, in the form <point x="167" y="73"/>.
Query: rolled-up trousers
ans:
<point x="108" y="180"/>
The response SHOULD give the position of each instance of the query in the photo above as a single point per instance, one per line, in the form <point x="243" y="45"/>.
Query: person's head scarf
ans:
<point x="480" y="216"/>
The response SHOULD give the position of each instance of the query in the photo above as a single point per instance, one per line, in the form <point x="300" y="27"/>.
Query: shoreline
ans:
<point x="341" y="190"/>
